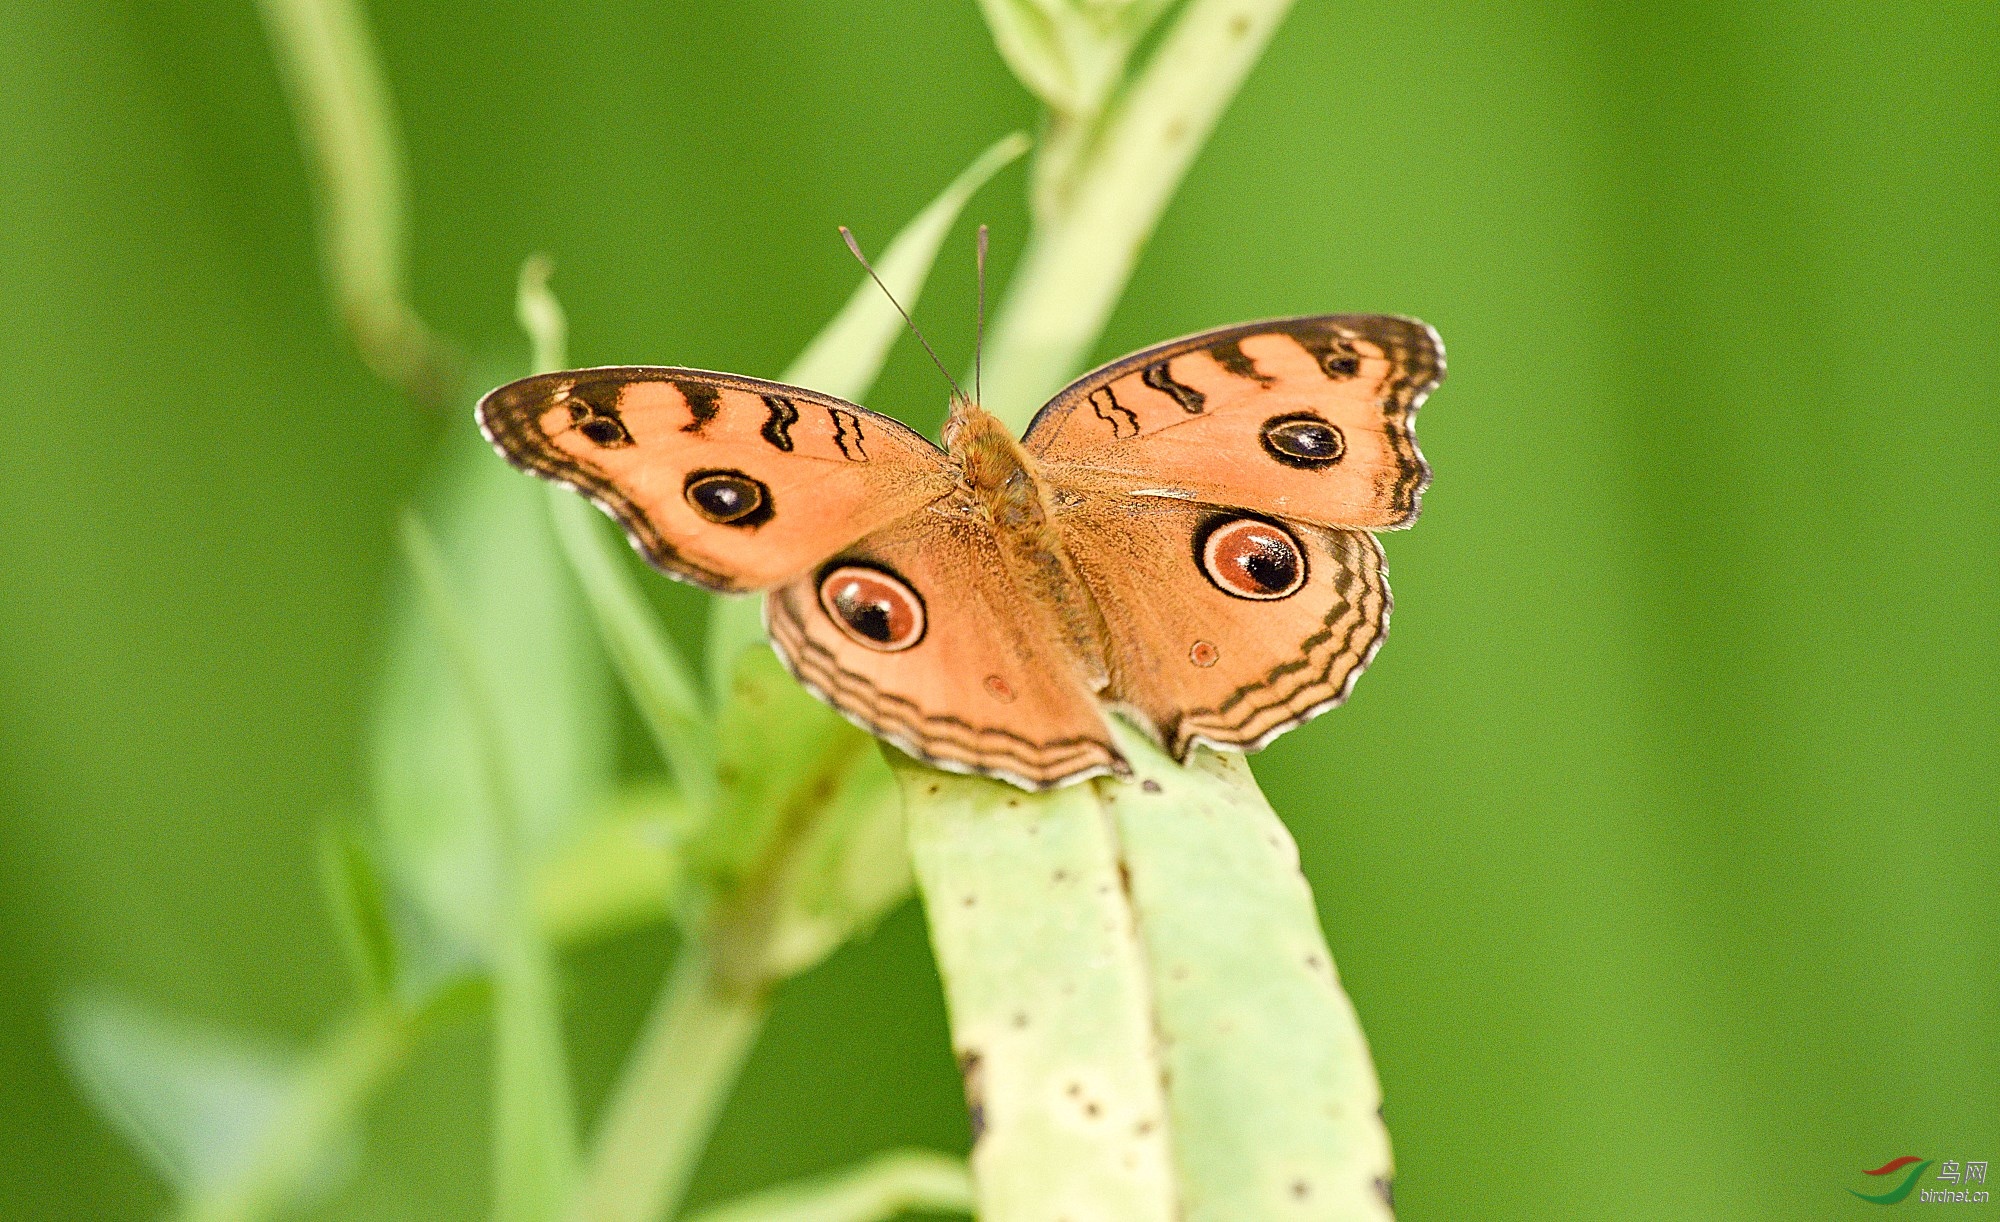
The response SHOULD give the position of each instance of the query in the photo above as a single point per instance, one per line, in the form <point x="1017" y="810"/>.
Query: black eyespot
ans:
<point x="1303" y="440"/>
<point x="1339" y="365"/>
<point x="596" y="416"/>
<point x="873" y="606"/>
<point x="1250" y="558"/>
<point x="729" y="498"/>
<point x="605" y="432"/>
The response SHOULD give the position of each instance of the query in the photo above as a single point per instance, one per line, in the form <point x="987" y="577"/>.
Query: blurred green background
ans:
<point x="1659" y="849"/>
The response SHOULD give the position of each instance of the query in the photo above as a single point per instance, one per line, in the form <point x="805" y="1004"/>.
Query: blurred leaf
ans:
<point x="360" y="900"/>
<point x="849" y="869"/>
<point x="808" y="848"/>
<point x="541" y="316"/>
<point x="847" y="354"/>
<point x="534" y="1118"/>
<point x="193" y="1101"/>
<point x="623" y="872"/>
<point x="884" y="1187"/>
<point x="1070" y="55"/>
<point x="551" y="703"/>
<point x="654" y="675"/>
<point x="783" y="753"/>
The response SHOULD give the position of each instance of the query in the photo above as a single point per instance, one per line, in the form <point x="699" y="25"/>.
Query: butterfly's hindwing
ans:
<point x="1236" y="626"/>
<point x="982" y="684"/>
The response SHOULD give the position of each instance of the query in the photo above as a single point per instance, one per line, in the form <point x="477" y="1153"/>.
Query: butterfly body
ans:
<point x="1181" y="537"/>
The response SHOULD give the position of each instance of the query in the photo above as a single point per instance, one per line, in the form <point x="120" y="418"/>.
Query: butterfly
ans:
<point x="1183" y="537"/>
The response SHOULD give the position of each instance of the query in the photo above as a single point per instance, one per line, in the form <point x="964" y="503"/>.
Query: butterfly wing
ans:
<point x="955" y="666"/>
<point x="730" y="483"/>
<point x="1310" y="419"/>
<point x="1226" y="628"/>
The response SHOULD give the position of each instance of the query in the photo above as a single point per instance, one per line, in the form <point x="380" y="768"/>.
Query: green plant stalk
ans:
<point x="335" y="1081"/>
<point x="1087" y="237"/>
<point x="668" y="1097"/>
<point x="534" y="1120"/>
<point x="345" y="123"/>
<point x="1238" y="1055"/>
<point x="884" y="1187"/>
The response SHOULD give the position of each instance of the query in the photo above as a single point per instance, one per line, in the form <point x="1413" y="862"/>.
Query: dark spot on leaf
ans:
<point x="1020" y="1019"/>
<point x="1301" y="1190"/>
<point x="1150" y="785"/>
<point x="1386" y="1191"/>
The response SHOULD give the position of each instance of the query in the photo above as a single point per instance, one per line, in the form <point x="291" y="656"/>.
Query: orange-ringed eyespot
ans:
<point x="873" y="606"/>
<point x="1250" y="558"/>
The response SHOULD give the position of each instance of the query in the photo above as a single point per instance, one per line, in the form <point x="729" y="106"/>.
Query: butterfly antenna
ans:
<point x="854" y="248"/>
<point x="979" y="335"/>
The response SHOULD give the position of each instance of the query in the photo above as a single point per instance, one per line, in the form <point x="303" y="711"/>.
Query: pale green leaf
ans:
<point x="1050" y="998"/>
<point x="1274" y="1104"/>
<point x="195" y="1102"/>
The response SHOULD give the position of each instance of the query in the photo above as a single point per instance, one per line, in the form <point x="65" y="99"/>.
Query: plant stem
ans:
<point x="345" y="123"/>
<point x="886" y="1186"/>
<point x="667" y="1101"/>
<point x="1088" y="236"/>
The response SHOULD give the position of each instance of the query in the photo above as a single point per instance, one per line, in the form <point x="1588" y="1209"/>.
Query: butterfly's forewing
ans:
<point x="1226" y="627"/>
<point x="956" y="666"/>
<point x="1306" y="418"/>
<point x="730" y="483"/>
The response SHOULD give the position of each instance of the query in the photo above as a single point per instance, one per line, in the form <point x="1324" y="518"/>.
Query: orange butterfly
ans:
<point x="1182" y="535"/>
